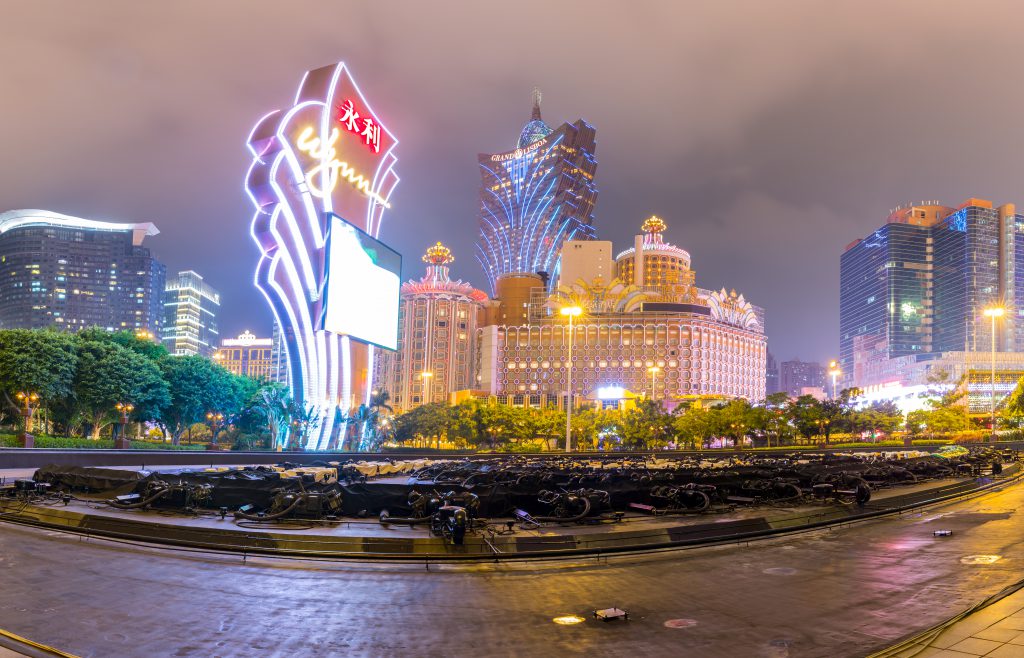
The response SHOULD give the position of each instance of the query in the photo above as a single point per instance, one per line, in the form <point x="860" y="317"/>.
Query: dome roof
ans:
<point x="533" y="131"/>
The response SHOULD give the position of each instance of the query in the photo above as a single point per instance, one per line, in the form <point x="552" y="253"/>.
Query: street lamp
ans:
<point x="833" y="369"/>
<point x="121" y="441"/>
<point x="654" y="371"/>
<point x="429" y="393"/>
<point x="994" y="312"/>
<point x="215" y="418"/>
<point x="30" y="399"/>
<point x="570" y="312"/>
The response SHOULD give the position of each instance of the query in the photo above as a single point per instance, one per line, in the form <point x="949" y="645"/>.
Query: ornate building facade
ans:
<point x="535" y="198"/>
<point x="437" y="322"/>
<point x="667" y="338"/>
<point x="247" y="355"/>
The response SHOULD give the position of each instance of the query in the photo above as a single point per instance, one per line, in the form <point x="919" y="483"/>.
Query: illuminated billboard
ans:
<point x="325" y="156"/>
<point x="362" y="282"/>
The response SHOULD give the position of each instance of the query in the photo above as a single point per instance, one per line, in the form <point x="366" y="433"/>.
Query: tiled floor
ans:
<point x="996" y="631"/>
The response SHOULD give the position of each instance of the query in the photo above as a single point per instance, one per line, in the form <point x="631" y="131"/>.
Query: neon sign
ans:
<point x="299" y="155"/>
<point x="518" y="153"/>
<point x="370" y="131"/>
<point x="330" y="168"/>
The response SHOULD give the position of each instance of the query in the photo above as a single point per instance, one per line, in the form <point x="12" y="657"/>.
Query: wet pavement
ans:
<point x="844" y="592"/>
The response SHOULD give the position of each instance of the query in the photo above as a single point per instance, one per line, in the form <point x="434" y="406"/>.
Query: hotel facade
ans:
<point x="665" y="338"/>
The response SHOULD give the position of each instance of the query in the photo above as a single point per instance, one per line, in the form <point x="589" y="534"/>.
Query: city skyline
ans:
<point x="764" y="166"/>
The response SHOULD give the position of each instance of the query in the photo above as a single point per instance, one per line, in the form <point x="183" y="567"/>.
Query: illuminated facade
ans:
<point x="916" y="288"/>
<point x="437" y="335"/>
<point x="71" y="273"/>
<point x="535" y="198"/>
<point x="247" y="355"/>
<point x="326" y="156"/>
<point x="190" y="315"/>
<point x="669" y="340"/>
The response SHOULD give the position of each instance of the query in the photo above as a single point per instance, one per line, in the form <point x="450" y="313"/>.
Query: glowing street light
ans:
<point x="31" y="400"/>
<point x="215" y="418"/>
<point x="570" y="312"/>
<point x="654" y="370"/>
<point x="121" y="441"/>
<point x="833" y="369"/>
<point x="429" y="392"/>
<point x="994" y="312"/>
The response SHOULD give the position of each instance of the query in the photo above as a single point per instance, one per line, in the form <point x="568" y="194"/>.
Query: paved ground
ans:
<point x="840" y="593"/>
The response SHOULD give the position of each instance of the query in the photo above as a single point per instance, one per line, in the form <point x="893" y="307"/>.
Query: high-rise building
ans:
<point x="586" y="260"/>
<point x="247" y="355"/>
<point x="535" y="198"/>
<point x="70" y="273"/>
<point x="437" y="325"/>
<point x="667" y="339"/>
<point x="771" y="375"/>
<point x="916" y="288"/>
<point x="795" y="376"/>
<point x="190" y="315"/>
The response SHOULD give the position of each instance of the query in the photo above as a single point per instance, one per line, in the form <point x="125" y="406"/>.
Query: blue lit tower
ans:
<point x="536" y="197"/>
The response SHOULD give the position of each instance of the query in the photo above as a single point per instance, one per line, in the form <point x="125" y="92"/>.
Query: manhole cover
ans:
<point x="779" y="571"/>
<point x="680" y="623"/>
<point x="980" y="559"/>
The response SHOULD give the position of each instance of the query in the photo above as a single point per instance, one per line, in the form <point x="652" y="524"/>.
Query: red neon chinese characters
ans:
<point x="365" y="127"/>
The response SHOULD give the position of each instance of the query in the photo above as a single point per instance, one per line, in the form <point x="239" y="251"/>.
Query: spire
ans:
<point x="536" y="104"/>
<point x="437" y="259"/>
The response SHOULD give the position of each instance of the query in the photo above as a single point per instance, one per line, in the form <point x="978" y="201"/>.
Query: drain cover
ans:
<point x="779" y="571"/>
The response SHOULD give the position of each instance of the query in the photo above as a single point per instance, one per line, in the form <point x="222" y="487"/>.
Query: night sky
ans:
<point x="768" y="135"/>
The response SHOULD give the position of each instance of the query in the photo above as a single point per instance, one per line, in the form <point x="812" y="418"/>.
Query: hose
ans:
<point x="239" y="514"/>
<point x="410" y="520"/>
<point x="141" y="503"/>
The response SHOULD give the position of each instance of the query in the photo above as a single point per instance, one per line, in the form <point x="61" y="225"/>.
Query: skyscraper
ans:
<point x="190" y="315"/>
<point x="70" y="273"/>
<point x="536" y="197"/>
<point x="436" y="340"/>
<point x="771" y="375"/>
<point x="915" y="289"/>
<point x="797" y="375"/>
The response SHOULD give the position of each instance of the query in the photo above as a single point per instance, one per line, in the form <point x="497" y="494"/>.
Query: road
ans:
<point x="841" y="592"/>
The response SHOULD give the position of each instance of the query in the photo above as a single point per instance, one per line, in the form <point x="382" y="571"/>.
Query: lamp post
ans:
<point x="654" y="371"/>
<point x="215" y="418"/>
<point x="994" y="312"/>
<point x="30" y="399"/>
<point x="570" y="312"/>
<point x="833" y="369"/>
<point x="121" y="441"/>
<point x="428" y="392"/>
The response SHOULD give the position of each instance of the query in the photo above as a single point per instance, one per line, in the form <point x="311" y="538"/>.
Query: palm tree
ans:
<point x="369" y="419"/>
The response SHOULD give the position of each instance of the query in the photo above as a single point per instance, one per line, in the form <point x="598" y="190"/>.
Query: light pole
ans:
<point x="994" y="312"/>
<point x="654" y="371"/>
<point x="570" y="312"/>
<point x="833" y="369"/>
<point x="215" y="418"/>
<point x="428" y="393"/>
<point x="30" y="399"/>
<point x="121" y="441"/>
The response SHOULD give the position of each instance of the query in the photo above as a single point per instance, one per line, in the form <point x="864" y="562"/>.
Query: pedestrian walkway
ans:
<point x="994" y="628"/>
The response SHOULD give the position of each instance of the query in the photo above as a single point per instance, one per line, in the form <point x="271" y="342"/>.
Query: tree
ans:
<point x="197" y="386"/>
<point x="42" y="362"/>
<point x="805" y="413"/>
<point x="108" y="374"/>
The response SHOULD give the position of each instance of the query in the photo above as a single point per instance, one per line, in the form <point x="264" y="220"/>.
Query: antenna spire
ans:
<point x="536" y="104"/>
